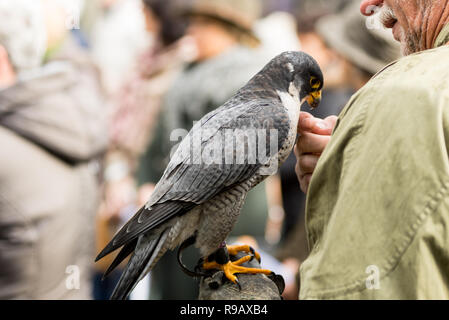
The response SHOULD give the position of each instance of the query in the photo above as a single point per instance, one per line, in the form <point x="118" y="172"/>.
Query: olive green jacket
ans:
<point x="378" y="203"/>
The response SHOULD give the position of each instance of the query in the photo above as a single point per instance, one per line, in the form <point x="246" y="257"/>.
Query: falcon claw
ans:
<point x="237" y="282"/>
<point x="254" y="254"/>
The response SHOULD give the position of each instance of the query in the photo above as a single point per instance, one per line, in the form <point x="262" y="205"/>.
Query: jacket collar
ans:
<point x="443" y="37"/>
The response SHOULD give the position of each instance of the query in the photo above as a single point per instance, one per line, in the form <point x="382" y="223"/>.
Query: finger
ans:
<point x="306" y="115"/>
<point x="331" y="121"/>
<point x="303" y="178"/>
<point x="316" y="125"/>
<point x="312" y="143"/>
<point x="307" y="163"/>
<point x="306" y="183"/>
<point x="326" y="126"/>
<point x="322" y="127"/>
<point x="306" y="122"/>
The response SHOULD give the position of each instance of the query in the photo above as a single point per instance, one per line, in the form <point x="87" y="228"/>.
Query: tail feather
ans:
<point x="159" y="251"/>
<point x="147" y="251"/>
<point x="123" y="254"/>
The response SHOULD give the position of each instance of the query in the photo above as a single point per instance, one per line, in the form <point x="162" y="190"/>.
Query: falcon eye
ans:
<point x="314" y="83"/>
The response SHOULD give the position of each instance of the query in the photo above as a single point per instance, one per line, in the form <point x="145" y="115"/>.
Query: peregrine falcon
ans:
<point x="227" y="153"/>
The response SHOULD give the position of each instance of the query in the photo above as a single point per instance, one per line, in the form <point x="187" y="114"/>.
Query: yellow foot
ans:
<point x="230" y="269"/>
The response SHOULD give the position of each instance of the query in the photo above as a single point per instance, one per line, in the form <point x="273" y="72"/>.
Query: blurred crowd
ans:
<point x="94" y="97"/>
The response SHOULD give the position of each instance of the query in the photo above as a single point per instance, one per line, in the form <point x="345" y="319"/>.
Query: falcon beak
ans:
<point x="314" y="99"/>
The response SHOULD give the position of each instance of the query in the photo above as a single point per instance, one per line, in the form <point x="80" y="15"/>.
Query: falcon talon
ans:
<point x="255" y="255"/>
<point x="237" y="282"/>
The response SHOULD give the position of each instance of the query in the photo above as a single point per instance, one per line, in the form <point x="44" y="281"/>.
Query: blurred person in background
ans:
<point x="139" y="101"/>
<point x="62" y="18"/>
<point x="277" y="33"/>
<point x="357" y="54"/>
<point x="227" y="57"/>
<point x="116" y="31"/>
<point x="51" y="133"/>
<point x="136" y="109"/>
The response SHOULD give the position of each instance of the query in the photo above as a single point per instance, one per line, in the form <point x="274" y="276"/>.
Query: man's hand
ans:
<point x="314" y="136"/>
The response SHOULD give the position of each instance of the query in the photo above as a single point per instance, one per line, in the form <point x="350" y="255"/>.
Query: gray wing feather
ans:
<point x="186" y="184"/>
<point x="186" y="181"/>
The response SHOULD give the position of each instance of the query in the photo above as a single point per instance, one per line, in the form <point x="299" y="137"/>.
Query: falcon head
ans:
<point x="298" y="74"/>
<point x="305" y="77"/>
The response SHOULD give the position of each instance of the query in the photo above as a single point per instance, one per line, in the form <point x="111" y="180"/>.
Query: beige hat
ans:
<point x="369" y="48"/>
<point x="241" y="14"/>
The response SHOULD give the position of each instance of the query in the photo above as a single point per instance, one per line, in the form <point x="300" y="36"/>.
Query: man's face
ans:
<point x="406" y="18"/>
<point x="211" y="37"/>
